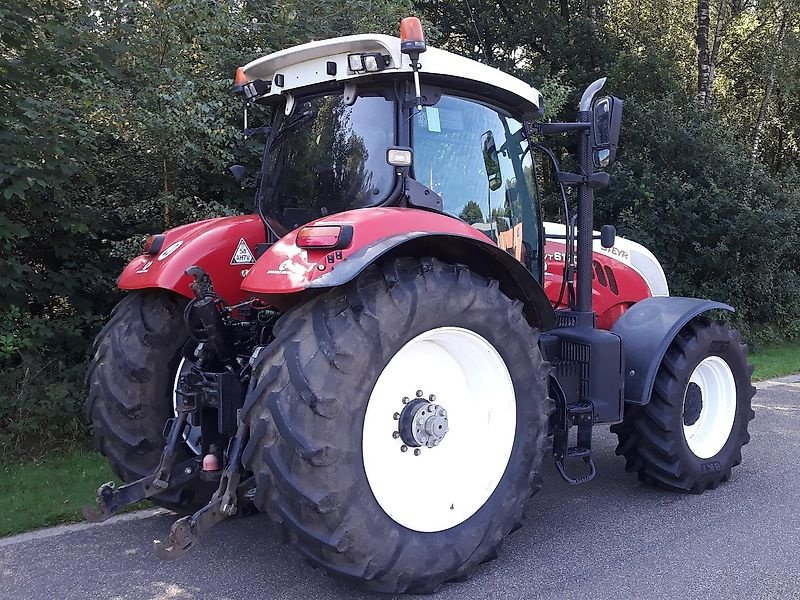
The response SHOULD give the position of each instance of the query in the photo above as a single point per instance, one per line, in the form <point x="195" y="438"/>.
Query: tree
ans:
<point x="471" y="213"/>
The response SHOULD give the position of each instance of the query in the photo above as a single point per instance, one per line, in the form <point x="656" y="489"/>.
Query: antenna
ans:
<point x="477" y="32"/>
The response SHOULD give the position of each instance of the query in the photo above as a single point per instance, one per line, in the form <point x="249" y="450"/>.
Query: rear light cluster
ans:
<point x="325" y="237"/>
<point x="153" y="244"/>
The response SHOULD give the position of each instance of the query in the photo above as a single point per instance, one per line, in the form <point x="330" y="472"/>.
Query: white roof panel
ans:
<point x="306" y="65"/>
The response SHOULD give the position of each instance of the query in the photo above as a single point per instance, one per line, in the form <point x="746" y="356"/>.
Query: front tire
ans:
<point x="321" y="405"/>
<point x="690" y="435"/>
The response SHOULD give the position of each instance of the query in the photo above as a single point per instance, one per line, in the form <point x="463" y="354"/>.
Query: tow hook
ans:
<point x="185" y="532"/>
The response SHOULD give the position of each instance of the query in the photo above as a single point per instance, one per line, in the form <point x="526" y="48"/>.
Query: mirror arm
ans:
<point x="556" y="128"/>
<point x="595" y="180"/>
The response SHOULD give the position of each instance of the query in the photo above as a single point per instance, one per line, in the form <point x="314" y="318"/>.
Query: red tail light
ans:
<point x="325" y="236"/>
<point x="153" y="244"/>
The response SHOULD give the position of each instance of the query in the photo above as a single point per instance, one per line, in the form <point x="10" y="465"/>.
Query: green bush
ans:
<point x="682" y="189"/>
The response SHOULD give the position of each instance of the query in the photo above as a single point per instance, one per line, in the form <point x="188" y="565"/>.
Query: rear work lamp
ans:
<point x="367" y="62"/>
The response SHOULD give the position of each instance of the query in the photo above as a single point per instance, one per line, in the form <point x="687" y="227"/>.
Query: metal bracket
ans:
<point x="202" y="285"/>
<point x="595" y="180"/>
<point x="421" y="196"/>
<point x="289" y="108"/>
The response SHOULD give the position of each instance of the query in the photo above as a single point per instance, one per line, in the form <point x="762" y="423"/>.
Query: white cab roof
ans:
<point x="306" y="65"/>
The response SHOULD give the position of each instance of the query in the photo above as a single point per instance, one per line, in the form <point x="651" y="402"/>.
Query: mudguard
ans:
<point x="224" y="247"/>
<point x="647" y="329"/>
<point x="286" y="269"/>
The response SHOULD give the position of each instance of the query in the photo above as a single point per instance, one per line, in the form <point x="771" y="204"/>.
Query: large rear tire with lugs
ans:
<point x="690" y="435"/>
<point x="131" y="379"/>
<point x="398" y="425"/>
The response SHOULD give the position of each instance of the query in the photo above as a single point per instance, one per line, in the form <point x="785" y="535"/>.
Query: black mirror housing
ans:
<point x="606" y="125"/>
<point x="608" y="235"/>
<point x="491" y="161"/>
<point x="238" y="172"/>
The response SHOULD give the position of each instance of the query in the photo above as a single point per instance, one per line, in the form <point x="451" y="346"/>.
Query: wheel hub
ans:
<point x="693" y="404"/>
<point x="423" y="423"/>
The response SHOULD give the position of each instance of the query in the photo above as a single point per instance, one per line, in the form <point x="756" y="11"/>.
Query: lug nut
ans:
<point x="417" y="452"/>
<point x="403" y="448"/>
<point x="419" y="393"/>
<point x="396" y="416"/>
<point x="432" y="398"/>
<point x="188" y="470"/>
<point x="395" y="434"/>
<point x="405" y="399"/>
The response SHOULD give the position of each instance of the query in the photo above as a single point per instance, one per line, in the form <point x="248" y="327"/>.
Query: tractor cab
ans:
<point x="351" y="129"/>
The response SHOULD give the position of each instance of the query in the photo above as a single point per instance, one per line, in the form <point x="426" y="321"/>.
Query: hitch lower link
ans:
<point x="111" y="498"/>
<point x="185" y="532"/>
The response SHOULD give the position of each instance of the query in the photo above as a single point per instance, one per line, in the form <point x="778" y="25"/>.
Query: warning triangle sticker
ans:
<point x="242" y="256"/>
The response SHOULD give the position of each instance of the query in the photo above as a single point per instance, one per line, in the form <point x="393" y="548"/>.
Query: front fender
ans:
<point x="647" y="329"/>
<point x="287" y="269"/>
<point x="214" y="245"/>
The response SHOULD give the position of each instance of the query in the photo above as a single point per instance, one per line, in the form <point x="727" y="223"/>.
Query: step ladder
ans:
<point x="580" y="415"/>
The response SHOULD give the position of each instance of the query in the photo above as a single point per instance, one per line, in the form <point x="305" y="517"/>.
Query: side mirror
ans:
<point x="491" y="161"/>
<point x="238" y="172"/>
<point x="608" y="235"/>
<point x="606" y="123"/>
<point x="242" y="177"/>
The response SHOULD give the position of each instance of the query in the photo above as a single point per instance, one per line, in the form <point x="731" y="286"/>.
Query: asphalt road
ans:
<point x="612" y="538"/>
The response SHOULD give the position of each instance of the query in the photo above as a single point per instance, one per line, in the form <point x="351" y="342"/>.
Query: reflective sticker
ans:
<point x="145" y="267"/>
<point x="169" y="250"/>
<point x="242" y="256"/>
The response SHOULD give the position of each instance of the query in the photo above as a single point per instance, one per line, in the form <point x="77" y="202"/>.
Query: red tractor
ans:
<point x="383" y="355"/>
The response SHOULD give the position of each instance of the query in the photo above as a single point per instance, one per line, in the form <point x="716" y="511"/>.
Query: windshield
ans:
<point x="327" y="157"/>
<point x="475" y="157"/>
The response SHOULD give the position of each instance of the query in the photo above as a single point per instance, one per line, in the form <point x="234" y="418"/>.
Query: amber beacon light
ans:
<point x="412" y="38"/>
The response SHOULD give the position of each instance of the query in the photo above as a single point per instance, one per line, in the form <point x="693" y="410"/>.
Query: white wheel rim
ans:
<point x="444" y="485"/>
<point x="708" y="434"/>
<point x="191" y="435"/>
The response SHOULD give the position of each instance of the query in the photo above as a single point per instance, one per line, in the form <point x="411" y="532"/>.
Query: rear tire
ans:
<point x="312" y="394"/>
<point x="130" y="381"/>
<point x="690" y="435"/>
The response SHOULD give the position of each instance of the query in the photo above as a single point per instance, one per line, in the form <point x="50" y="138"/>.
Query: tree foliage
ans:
<point x="116" y="121"/>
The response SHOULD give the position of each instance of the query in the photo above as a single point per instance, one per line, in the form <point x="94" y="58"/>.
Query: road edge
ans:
<point x="58" y="530"/>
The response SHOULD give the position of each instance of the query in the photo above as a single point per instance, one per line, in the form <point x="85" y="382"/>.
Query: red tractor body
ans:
<point x="211" y="245"/>
<point x="228" y="247"/>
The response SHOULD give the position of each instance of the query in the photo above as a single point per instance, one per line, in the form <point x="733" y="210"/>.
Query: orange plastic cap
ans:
<point x="240" y="78"/>
<point x="411" y="30"/>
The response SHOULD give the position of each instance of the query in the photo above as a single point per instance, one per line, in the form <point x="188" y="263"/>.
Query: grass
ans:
<point x="775" y="360"/>
<point x="50" y="490"/>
